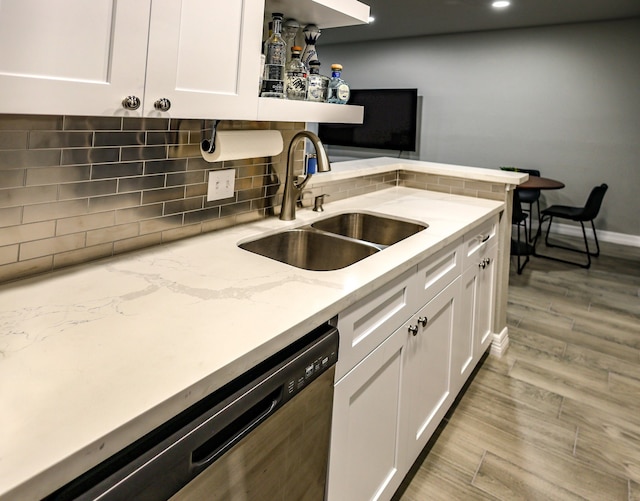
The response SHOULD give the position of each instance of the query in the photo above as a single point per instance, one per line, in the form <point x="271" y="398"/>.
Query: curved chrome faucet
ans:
<point x="292" y="189"/>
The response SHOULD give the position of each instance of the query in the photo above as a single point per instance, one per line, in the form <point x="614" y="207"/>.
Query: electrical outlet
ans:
<point x="221" y="184"/>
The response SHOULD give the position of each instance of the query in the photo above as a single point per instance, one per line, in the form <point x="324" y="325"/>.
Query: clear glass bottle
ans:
<point x="318" y="85"/>
<point x="339" y="91"/>
<point x="290" y="30"/>
<point x="275" y="59"/>
<point x="296" y="76"/>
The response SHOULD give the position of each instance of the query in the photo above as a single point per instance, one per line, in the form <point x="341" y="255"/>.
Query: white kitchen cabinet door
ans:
<point x="364" y="460"/>
<point x="204" y="58"/>
<point x="485" y="302"/>
<point x="427" y="392"/>
<point x="72" y="56"/>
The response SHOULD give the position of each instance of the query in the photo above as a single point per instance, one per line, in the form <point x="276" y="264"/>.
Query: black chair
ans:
<point x="528" y="196"/>
<point x="520" y="247"/>
<point x="580" y="214"/>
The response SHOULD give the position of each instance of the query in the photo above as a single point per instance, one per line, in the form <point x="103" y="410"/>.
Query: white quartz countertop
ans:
<point x="94" y="356"/>
<point x="379" y="165"/>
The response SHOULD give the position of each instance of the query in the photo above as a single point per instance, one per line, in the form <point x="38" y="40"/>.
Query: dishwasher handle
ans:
<point x="226" y="438"/>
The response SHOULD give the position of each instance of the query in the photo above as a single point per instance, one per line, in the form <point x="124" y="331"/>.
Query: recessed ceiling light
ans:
<point x="371" y="19"/>
<point x="501" y="4"/>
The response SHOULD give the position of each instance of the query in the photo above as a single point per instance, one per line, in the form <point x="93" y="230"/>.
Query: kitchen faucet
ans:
<point x="292" y="189"/>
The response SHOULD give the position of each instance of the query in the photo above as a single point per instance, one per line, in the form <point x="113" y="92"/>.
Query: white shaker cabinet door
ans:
<point x="204" y="58"/>
<point x="427" y="389"/>
<point x="365" y="431"/>
<point x="72" y="56"/>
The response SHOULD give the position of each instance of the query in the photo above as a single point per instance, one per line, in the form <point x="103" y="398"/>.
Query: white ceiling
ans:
<point x="407" y="18"/>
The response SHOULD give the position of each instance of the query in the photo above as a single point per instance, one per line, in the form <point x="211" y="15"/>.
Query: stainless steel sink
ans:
<point x="310" y="250"/>
<point x="380" y="230"/>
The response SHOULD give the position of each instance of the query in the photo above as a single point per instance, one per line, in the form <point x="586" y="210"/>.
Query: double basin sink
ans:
<point x="335" y="242"/>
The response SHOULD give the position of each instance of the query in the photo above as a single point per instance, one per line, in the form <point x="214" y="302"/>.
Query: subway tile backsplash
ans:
<point x="74" y="189"/>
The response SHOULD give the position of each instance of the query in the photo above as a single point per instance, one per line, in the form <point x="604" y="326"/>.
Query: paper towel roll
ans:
<point x="234" y="144"/>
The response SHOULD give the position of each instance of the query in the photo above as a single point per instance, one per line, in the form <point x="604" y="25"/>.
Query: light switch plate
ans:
<point x="221" y="184"/>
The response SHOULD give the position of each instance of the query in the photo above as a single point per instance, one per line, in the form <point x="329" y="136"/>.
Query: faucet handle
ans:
<point x="318" y="201"/>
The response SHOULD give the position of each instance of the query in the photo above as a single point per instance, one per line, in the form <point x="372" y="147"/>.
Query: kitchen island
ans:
<point x="94" y="356"/>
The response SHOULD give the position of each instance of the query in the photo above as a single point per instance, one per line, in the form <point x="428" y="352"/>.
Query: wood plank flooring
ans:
<point x="558" y="416"/>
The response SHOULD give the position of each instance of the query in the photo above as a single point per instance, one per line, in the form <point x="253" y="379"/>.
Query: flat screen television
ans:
<point x="390" y="121"/>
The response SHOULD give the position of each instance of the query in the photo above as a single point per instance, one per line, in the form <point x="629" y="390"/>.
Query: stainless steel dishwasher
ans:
<point x="264" y="436"/>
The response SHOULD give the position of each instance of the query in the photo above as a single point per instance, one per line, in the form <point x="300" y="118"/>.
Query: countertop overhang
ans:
<point x="94" y="356"/>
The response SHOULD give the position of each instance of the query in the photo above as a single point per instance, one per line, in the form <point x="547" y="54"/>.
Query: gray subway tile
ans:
<point x="160" y="224"/>
<point x="184" y="205"/>
<point x="162" y="195"/>
<point x="196" y="190"/>
<point x="184" y="178"/>
<point x="184" y="150"/>
<point x="112" y="202"/>
<point x="92" y="123"/>
<point x="13" y="139"/>
<point x="251" y="194"/>
<point x="82" y="255"/>
<point x="30" y="195"/>
<point x="132" y="123"/>
<point x="202" y="215"/>
<point x="141" y="183"/>
<point x="122" y="169"/>
<point x="143" y="153"/>
<point x="10" y="216"/>
<point x="118" y="138"/>
<point x="85" y="222"/>
<point x="167" y="137"/>
<point x="112" y="233"/>
<point x="138" y="213"/>
<point x="21" y="269"/>
<point x="26" y="232"/>
<point x="48" y="246"/>
<point x="129" y="244"/>
<point x="12" y="178"/>
<point x="9" y="254"/>
<point x="189" y="124"/>
<point x="55" y="139"/>
<point x="164" y="166"/>
<point x="19" y="159"/>
<point x="54" y="210"/>
<point x="87" y="189"/>
<point x="89" y="155"/>
<point x="31" y="122"/>
<point x="55" y="175"/>
<point x="233" y="209"/>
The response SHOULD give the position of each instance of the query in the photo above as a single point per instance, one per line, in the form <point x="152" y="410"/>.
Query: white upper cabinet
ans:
<point x="171" y="58"/>
<point x="204" y="58"/>
<point x="72" y="56"/>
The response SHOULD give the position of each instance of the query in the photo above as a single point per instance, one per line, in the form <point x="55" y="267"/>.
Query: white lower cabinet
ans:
<point x="426" y="386"/>
<point x="395" y="382"/>
<point x="365" y="431"/>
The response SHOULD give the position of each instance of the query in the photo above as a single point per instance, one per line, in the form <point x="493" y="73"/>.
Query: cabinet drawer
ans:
<point x="479" y="240"/>
<point x="438" y="271"/>
<point x="367" y="323"/>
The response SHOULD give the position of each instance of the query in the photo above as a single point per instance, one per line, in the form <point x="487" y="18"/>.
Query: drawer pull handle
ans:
<point x="484" y="239"/>
<point x="131" y="103"/>
<point x="162" y="104"/>
<point x="413" y="329"/>
<point x="423" y="321"/>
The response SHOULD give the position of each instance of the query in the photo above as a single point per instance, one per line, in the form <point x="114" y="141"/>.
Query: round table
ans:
<point x="540" y="183"/>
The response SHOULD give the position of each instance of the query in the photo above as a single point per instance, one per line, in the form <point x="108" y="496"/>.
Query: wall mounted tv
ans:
<point x="390" y="121"/>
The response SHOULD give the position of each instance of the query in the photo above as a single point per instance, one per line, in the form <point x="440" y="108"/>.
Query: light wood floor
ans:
<point x="558" y="416"/>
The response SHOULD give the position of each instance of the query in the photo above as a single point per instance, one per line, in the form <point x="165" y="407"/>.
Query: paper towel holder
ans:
<point x="209" y="145"/>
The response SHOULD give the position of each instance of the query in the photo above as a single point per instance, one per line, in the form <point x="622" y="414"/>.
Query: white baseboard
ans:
<point x="500" y="343"/>
<point x="603" y="236"/>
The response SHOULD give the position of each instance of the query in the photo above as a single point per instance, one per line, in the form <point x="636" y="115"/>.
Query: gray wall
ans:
<point x="562" y="99"/>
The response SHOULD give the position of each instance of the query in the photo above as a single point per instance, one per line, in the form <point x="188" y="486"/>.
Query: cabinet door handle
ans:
<point x="482" y="264"/>
<point x="483" y="238"/>
<point x="131" y="103"/>
<point x="413" y="329"/>
<point x="423" y="321"/>
<point x="162" y="104"/>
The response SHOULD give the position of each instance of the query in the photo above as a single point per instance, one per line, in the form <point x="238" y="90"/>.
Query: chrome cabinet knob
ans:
<point x="131" y="103"/>
<point x="423" y="321"/>
<point x="413" y="329"/>
<point x="162" y="104"/>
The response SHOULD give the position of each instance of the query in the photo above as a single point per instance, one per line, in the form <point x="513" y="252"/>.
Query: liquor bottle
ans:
<point x="273" y="78"/>
<point x="318" y="85"/>
<point x="296" y="76"/>
<point x="338" y="89"/>
<point x="311" y="34"/>
<point x="290" y="30"/>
